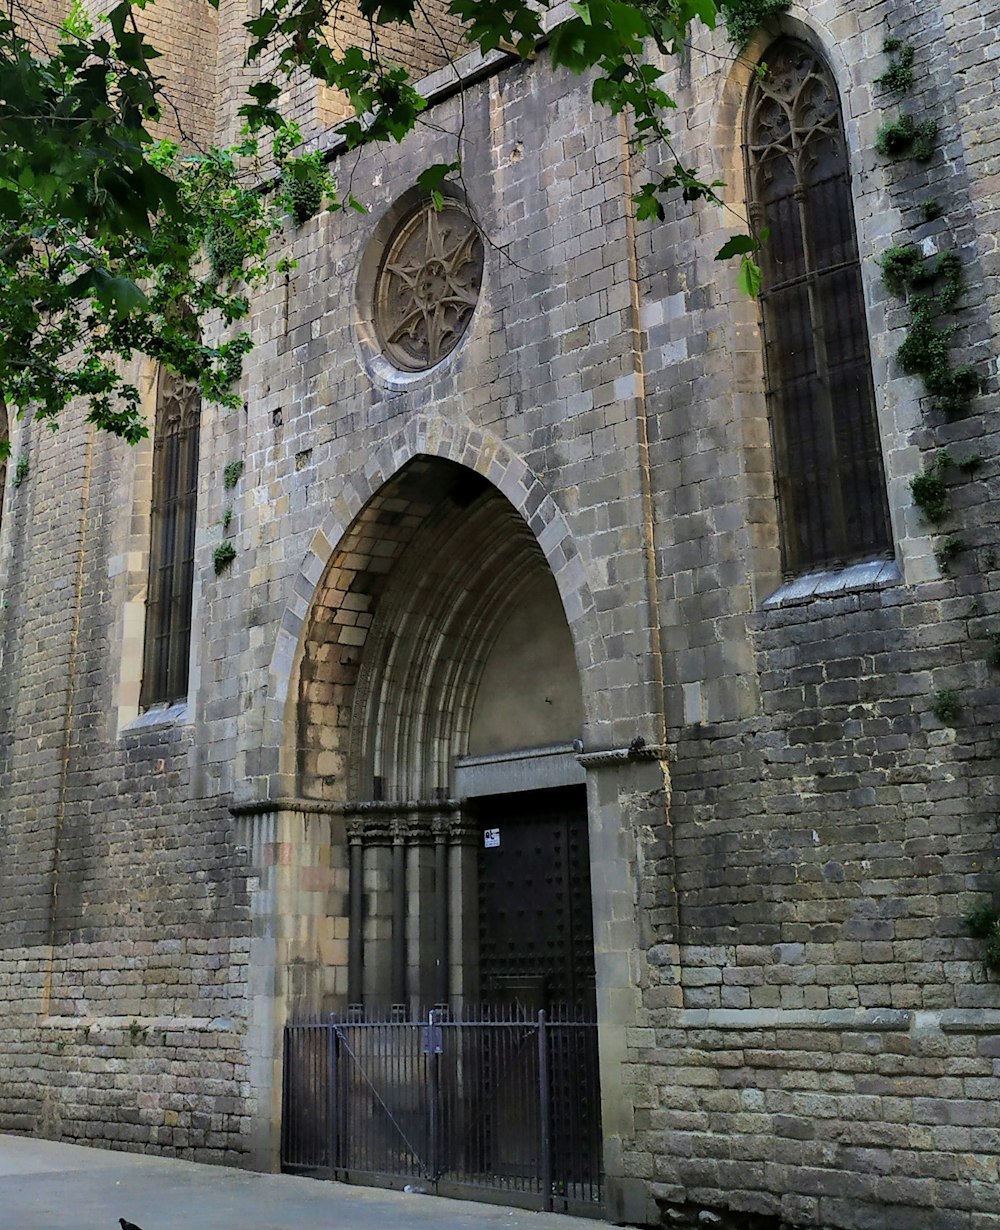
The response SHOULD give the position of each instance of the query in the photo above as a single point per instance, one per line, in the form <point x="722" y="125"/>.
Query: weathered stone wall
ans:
<point x="794" y="1023"/>
<point x="124" y="922"/>
<point x="819" y="1028"/>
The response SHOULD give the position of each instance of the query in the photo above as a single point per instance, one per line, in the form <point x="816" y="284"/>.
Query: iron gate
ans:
<point x="504" y="1109"/>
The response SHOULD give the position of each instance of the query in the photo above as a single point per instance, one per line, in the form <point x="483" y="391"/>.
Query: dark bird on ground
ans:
<point x="128" y="1225"/>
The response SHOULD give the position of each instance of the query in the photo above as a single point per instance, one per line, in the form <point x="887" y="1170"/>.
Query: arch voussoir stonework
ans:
<point x="430" y="436"/>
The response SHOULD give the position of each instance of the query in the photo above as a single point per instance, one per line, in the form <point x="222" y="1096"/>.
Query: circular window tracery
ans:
<point x="428" y="285"/>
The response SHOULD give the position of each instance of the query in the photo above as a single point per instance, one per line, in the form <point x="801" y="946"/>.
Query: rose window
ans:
<point x="428" y="286"/>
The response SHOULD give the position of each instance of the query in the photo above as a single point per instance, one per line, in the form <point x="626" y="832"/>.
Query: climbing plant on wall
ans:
<point x="744" y="18"/>
<point x="931" y="282"/>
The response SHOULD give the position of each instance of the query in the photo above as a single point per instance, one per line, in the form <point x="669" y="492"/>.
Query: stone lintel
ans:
<point x="614" y="756"/>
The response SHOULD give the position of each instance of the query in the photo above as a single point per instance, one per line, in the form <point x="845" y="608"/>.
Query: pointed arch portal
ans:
<point x="438" y="700"/>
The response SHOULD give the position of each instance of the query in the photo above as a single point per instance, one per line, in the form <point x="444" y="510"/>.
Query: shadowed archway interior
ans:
<point x="436" y="573"/>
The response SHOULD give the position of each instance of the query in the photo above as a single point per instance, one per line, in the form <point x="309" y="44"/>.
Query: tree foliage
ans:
<point x="113" y="243"/>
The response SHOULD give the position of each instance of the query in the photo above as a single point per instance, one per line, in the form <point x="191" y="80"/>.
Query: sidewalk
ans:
<point x="49" y="1186"/>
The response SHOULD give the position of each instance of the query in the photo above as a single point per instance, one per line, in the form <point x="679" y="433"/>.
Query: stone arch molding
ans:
<point x="435" y="437"/>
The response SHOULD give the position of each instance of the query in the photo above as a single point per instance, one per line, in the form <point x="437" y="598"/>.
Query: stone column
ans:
<point x="356" y="899"/>
<point x="421" y="891"/>
<point x="442" y="888"/>
<point x="464" y="836"/>
<point x="376" y="983"/>
<point x="400" y="834"/>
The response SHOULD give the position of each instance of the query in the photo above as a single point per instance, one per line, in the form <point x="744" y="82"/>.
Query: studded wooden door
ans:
<point x="536" y="945"/>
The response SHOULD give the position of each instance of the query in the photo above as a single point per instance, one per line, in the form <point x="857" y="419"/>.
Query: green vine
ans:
<point x="21" y="470"/>
<point x="306" y="183"/>
<point x="223" y="556"/>
<point x="926" y="352"/>
<point x="898" y="77"/>
<point x="903" y="137"/>
<point x="930" y="491"/>
<point x="983" y="923"/>
<point x="945" y="705"/>
<point x="304" y="186"/>
<point x="947" y="550"/>
<point x="232" y="473"/>
<point x="932" y="287"/>
<point x="744" y="17"/>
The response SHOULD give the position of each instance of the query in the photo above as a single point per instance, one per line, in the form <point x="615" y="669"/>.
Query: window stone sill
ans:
<point x="833" y="582"/>
<point x="159" y="715"/>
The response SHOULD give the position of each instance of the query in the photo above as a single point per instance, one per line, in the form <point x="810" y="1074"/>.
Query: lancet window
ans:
<point x="171" y="544"/>
<point x="828" y="462"/>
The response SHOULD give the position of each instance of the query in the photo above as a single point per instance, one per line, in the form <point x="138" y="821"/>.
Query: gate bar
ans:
<point x="434" y="1099"/>
<point x="543" y="1112"/>
<point x="332" y="1039"/>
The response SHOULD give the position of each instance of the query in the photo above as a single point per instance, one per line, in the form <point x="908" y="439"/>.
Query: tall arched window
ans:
<point x="828" y="462"/>
<point x="171" y="540"/>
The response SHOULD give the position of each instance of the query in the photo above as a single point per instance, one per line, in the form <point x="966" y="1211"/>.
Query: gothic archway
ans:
<point x="437" y="693"/>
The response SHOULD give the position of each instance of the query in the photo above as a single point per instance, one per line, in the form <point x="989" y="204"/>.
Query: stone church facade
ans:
<point x="523" y="505"/>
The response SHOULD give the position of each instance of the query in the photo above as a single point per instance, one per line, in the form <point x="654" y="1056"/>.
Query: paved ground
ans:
<point x="48" y="1186"/>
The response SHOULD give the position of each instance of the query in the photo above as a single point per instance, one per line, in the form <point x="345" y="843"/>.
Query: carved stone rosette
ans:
<point x="428" y="285"/>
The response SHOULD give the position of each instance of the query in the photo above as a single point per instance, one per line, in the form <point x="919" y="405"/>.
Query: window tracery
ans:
<point x="428" y="286"/>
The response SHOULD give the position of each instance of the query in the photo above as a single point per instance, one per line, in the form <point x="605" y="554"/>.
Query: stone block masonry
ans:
<point x="795" y="1027"/>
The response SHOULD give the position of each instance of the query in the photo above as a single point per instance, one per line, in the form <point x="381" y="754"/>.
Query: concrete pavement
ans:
<point x="49" y="1186"/>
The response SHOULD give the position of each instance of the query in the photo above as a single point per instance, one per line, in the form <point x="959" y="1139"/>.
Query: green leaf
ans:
<point x="706" y="10"/>
<point x="10" y="204"/>
<point x="738" y="245"/>
<point x="388" y="12"/>
<point x="261" y="27"/>
<point x="648" y="206"/>
<point x="119" y="293"/>
<point x="431" y="178"/>
<point x="749" y="277"/>
<point x="117" y="18"/>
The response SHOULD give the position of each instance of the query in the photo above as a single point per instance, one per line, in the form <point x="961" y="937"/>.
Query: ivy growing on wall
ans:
<point x="225" y="552"/>
<point x="223" y="556"/>
<point x="898" y="77"/>
<point x="744" y="17"/>
<point x="983" y="923"/>
<point x="904" y="138"/>
<point x="932" y="287"/>
<point x="306" y="182"/>
<point x="932" y="282"/>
